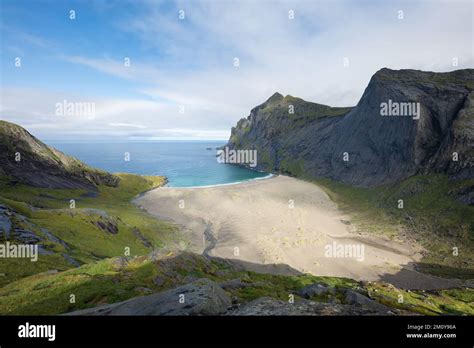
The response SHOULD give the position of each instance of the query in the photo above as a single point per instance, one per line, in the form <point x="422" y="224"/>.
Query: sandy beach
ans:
<point x="285" y="225"/>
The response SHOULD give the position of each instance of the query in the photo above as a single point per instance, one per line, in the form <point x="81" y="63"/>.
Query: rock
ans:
<point x="222" y="273"/>
<point x="158" y="281"/>
<point x="359" y="300"/>
<point x="469" y="283"/>
<point x="466" y="195"/>
<point x="71" y="260"/>
<point x="202" y="297"/>
<point x="312" y="141"/>
<point x="142" y="238"/>
<point x="270" y="306"/>
<point x="107" y="225"/>
<point x="26" y="236"/>
<point x="5" y="223"/>
<point x="43" y="251"/>
<point x="315" y="290"/>
<point x="120" y="263"/>
<point x="42" y="165"/>
<point x="189" y="279"/>
<point x="234" y="284"/>
<point x="53" y="238"/>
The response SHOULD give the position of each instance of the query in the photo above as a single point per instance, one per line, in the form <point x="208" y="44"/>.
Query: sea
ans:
<point x="184" y="163"/>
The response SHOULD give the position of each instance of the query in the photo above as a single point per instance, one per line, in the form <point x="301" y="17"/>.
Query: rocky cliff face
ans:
<point x="407" y="122"/>
<point x="25" y="159"/>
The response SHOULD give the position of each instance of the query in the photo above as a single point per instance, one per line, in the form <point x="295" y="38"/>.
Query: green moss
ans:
<point x="454" y="301"/>
<point x="266" y="160"/>
<point x="49" y="209"/>
<point x="431" y="215"/>
<point x="292" y="167"/>
<point x="113" y="280"/>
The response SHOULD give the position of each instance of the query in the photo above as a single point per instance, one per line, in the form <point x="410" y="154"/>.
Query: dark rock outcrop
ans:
<point x="5" y="222"/>
<point x="354" y="298"/>
<point x="142" y="238"/>
<point x="315" y="140"/>
<point x="312" y="290"/>
<point x="107" y="225"/>
<point x="202" y="297"/>
<point x="269" y="306"/>
<point x="25" y="159"/>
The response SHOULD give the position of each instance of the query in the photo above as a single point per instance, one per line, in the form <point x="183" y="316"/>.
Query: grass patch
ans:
<point x="79" y="227"/>
<point x="431" y="215"/>
<point x="118" y="279"/>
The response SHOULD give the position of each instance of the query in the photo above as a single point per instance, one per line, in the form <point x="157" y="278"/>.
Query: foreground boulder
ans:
<point x="201" y="297"/>
<point x="354" y="298"/>
<point x="316" y="290"/>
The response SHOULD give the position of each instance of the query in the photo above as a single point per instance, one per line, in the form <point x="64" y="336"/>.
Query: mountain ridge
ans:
<point x="364" y="148"/>
<point x="25" y="159"/>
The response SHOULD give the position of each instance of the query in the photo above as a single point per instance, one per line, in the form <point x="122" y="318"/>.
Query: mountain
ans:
<point x="35" y="194"/>
<point x="25" y="159"/>
<point x="364" y="146"/>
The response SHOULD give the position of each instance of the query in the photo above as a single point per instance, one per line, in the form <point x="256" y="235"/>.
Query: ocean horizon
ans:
<point x="186" y="163"/>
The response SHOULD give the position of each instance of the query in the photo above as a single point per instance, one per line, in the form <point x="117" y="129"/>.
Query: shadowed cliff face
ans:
<point x="360" y="145"/>
<point x="25" y="159"/>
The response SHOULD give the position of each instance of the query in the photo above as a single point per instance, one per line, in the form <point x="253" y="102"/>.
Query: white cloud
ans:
<point x="302" y="57"/>
<point x="116" y="118"/>
<point x="116" y="68"/>
<point x="128" y="125"/>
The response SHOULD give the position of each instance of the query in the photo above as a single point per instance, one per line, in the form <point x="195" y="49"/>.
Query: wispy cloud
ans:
<point x="126" y="68"/>
<point x="183" y="72"/>
<point x="127" y="125"/>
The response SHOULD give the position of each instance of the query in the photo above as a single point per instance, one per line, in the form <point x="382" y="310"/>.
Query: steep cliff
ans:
<point x="25" y="159"/>
<point x="407" y="122"/>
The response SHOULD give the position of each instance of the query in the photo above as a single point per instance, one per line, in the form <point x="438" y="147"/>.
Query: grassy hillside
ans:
<point x="106" y="276"/>
<point x="25" y="159"/>
<point x="431" y="215"/>
<point x="101" y="225"/>
<point x="118" y="279"/>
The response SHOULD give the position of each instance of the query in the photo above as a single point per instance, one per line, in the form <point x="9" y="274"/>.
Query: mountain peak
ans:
<point x="276" y="97"/>
<point x="25" y="159"/>
<point x="287" y="142"/>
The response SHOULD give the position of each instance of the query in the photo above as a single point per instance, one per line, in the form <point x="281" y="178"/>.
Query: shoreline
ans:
<point x="254" y="222"/>
<point x="267" y="177"/>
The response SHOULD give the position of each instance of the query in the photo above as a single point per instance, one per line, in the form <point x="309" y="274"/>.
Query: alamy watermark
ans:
<point x="28" y="330"/>
<point x="392" y="108"/>
<point x="350" y="251"/>
<point x="66" y="108"/>
<point x="231" y="156"/>
<point x="21" y="251"/>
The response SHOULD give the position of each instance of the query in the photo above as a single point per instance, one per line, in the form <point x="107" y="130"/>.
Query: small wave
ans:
<point x="226" y="184"/>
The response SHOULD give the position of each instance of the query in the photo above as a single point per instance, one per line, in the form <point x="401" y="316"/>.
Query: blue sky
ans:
<point x="182" y="82"/>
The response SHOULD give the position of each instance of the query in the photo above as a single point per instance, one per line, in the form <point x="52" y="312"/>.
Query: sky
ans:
<point x="167" y="69"/>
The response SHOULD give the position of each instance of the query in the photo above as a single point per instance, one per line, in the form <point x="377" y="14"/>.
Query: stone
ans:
<point x="234" y="284"/>
<point x="356" y="299"/>
<point x="266" y="306"/>
<point x="315" y="290"/>
<point x="202" y="297"/>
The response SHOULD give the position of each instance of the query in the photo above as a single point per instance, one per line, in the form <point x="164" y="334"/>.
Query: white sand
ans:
<point x="253" y="222"/>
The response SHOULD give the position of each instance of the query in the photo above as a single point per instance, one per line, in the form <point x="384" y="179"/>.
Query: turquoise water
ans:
<point x="185" y="163"/>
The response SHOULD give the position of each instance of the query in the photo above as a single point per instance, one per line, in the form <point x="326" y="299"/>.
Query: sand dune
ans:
<point x="283" y="220"/>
